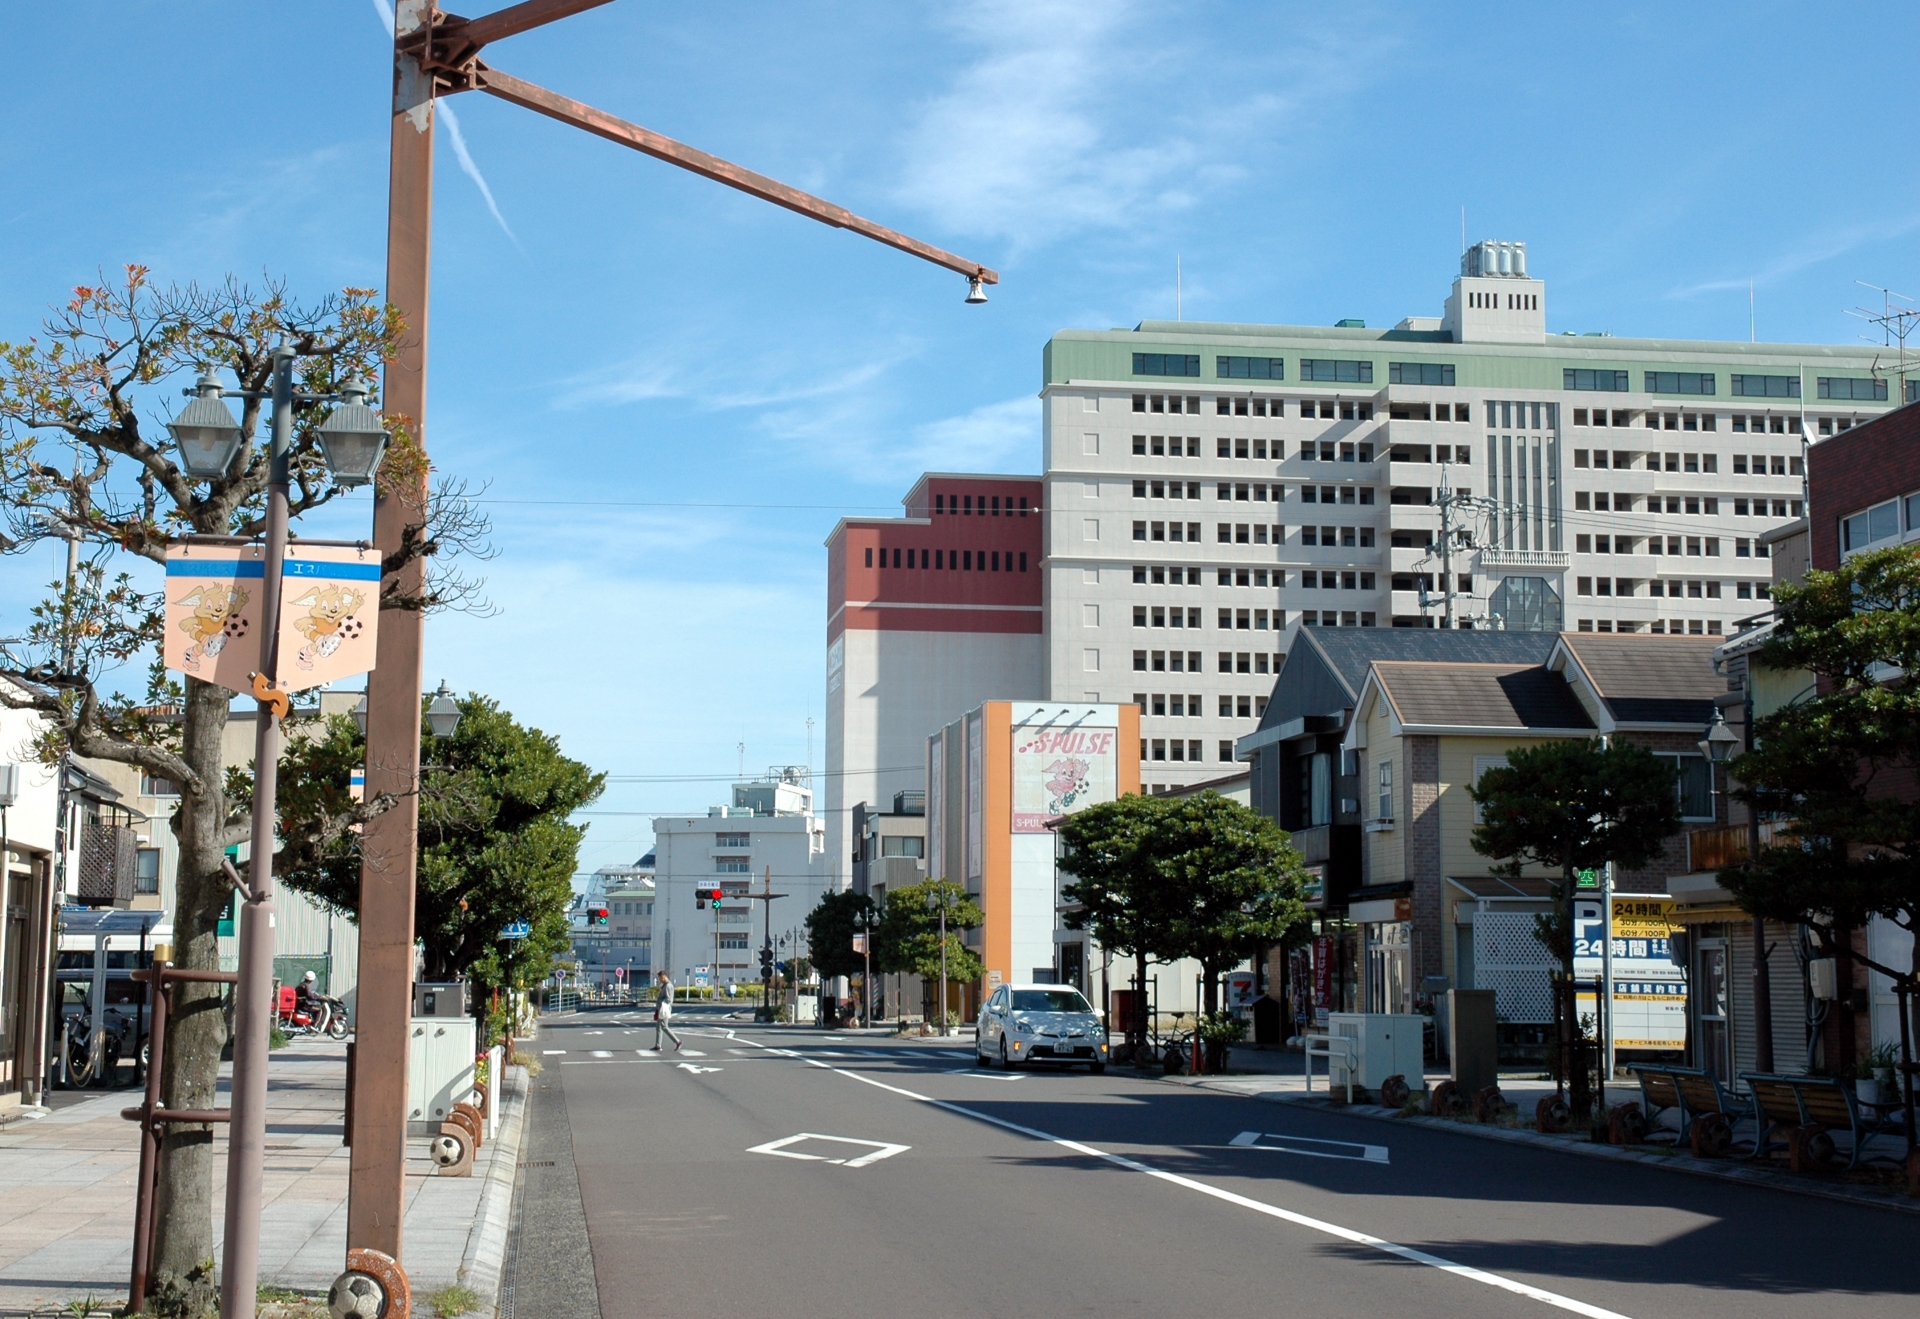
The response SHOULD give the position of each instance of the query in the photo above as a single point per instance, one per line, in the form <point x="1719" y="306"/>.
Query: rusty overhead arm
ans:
<point x="449" y="51"/>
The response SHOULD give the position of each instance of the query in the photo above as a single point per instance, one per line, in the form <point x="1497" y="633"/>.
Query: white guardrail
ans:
<point x="1327" y="1046"/>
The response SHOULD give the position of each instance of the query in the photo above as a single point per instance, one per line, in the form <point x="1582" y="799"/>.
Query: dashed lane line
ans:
<point x="1321" y="1225"/>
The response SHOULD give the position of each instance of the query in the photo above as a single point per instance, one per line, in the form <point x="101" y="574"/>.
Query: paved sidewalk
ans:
<point x="67" y="1183"/>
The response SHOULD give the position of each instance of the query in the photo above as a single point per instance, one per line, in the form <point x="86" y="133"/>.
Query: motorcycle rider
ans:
<point x="306" y="996"/>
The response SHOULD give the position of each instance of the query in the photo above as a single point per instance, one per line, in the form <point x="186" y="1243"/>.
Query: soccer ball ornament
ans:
<point x="357" y="1296"/>
<point x="448" y="1150"/>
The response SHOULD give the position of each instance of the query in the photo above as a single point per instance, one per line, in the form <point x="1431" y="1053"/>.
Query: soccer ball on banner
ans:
<point x="357" y="1296"/>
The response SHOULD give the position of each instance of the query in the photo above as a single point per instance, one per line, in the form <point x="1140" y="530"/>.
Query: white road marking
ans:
<point x="552" y="1052"/>
<point x="985" y="1075"/>
<point x="881" y="1149"/>
<point x="1332" y="1149"/>
<point x="696" y="1069"/>
<point x="1381" y="1244"/>
<point x="599" y="1053"/>
<point x="593" y="1032"/>
<point x="693" y="1053"/>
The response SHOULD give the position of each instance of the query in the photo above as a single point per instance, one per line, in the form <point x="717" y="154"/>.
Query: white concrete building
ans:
<point x="768" y="834"/>
<point x="1209" y="485"/>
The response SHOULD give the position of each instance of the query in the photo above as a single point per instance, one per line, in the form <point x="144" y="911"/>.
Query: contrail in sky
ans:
<point x="385" y="9"/>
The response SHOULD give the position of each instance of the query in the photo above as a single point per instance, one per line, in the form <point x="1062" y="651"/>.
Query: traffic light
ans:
<point x="700" y="898"/>
<point x="598" y="915"/>
<point x="766" y="963"/>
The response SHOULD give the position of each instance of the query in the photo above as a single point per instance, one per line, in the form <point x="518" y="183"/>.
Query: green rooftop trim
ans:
<point x="1108" y="356"/>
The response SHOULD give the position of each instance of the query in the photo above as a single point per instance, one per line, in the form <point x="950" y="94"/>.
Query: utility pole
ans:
<point x="438" y="54"/>
<point x="767" y="896"/>
<point x="1448" y="503"/>
<point x="943" y="960"/>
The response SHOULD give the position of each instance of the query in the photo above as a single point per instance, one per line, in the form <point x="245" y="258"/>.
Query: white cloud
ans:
<point x="1082" y="117"/>
<point x="1811" y="251"/>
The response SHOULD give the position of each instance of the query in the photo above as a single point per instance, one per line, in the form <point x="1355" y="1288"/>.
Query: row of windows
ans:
<point x="1743" y="423"/>
<point x="1258" y="492"/>
<point x="1708" y="505"/>
<point x="1156" y="575"/>
<point x="1671" y="546"/>
<point x="1244" y="405"/>
<point x="1161" y="749"/>
<point x="1693" y="589"/>
<point x="1515" y="301"/>
<point x="1429" y="412"/>
<point x="1248" y="620"/>
<point x="1176" y="706"/>
<point x="1252" y="533"/>
<point x="1189" y="661"/>
<point x="1882" y="522"/>
<point x="1659" y="627"/>
<point x="1326" y="451"/>
<point x="1758" y="464"/>
<point x="954" y="560"/>
<point x="1706" y="383"/>
<point x="964" y="506"/>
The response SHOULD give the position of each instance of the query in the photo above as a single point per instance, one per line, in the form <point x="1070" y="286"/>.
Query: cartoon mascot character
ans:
<point x="215" y="618"/>
<point x="330" y="620"/>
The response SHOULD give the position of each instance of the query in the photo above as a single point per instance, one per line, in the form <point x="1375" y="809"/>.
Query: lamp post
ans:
<point x="943" y="961"/>
<point x="207" y="440"/>
<point x="865" y="917"/>
<point x="1718" y="744"/>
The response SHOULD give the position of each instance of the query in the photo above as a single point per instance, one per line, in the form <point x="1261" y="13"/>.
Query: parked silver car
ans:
<point x="1039" y="1023"/>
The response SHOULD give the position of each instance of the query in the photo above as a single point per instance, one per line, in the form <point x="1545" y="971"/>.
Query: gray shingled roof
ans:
<point x="1648" y="679"/>
<point x="1337" y="659"/>
<point x="1495" y="696"/>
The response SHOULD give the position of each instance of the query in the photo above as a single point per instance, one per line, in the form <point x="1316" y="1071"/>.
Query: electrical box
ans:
<point x="448" y="1000"/>
<point x="1823" y="978"/>
<point x="439" y="1070"/>
<point x="1385" y="1044"/>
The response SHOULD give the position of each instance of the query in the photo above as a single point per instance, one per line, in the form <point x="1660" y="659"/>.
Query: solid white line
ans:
<point x="1394" y="1248"/>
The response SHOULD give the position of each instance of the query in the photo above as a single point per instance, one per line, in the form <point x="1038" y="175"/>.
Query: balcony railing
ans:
<point x="1710" y="849"/>
<point x="1554" y="560"/>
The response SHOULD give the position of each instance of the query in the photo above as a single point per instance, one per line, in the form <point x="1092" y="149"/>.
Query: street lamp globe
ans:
<point x="352" y="438"/>
<point x="207" y="433"/>
<point x="1719" y="742"/>
<point x="443" y="713"/>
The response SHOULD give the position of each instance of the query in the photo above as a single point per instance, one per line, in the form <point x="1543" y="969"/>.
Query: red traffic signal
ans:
<point x="597" y="916"/>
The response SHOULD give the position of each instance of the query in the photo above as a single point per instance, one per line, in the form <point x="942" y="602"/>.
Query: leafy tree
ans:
<point x="1570" y="806"/>
<point x="496" y="842"/>
<point x="831" y="926"/>
<point x="1232" y="883"/>
<point x="1117" y="883"/>
<point x="907" y="940"/>
<point x="1841" y="761"/>
<point x="81" y="460"/>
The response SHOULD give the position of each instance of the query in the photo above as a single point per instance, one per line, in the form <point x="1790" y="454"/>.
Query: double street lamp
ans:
<point x="208" y="440"/>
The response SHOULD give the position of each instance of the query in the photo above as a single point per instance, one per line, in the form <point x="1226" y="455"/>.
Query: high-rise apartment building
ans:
<point x="928" y="615"/>
<point x="1209" y="487"/>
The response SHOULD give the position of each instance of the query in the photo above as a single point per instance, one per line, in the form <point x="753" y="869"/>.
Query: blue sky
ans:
<point x="675" y="390"/>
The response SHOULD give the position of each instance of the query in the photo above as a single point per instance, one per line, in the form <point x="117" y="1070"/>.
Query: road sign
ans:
<point x="517" y="930"/>
<point x="619" y="973"/>
<point x="559" y="977"/>
<point x="1586" y="879"/>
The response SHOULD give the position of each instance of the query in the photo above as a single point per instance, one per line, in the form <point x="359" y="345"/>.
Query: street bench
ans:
<point x="1709" y="1111"/>
<point x="1808" y="1108"/>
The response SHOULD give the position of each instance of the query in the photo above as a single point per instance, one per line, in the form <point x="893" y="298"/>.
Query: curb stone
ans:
<point x="1682" y="1163"/>
<point x="486" y="1252"/>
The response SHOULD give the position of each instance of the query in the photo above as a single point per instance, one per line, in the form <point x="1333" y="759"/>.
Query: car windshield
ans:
<point x="1048" y="1000"/>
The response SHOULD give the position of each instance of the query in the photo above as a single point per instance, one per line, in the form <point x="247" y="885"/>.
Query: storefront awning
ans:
<point x="1496" y="889"/>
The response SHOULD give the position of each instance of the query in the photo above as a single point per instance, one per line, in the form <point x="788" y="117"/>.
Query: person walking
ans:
<point x="663" y="1012"/>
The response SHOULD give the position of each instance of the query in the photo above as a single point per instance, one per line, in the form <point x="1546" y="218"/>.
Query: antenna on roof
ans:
<point x="1463" y="231"/>
<point x="1178" y="310"/>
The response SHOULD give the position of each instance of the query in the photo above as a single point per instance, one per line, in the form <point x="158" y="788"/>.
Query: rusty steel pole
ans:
<point x="376" y="1182"/>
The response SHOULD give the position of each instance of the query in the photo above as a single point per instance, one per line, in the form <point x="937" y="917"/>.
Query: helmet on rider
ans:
<point x="309" y="977"/>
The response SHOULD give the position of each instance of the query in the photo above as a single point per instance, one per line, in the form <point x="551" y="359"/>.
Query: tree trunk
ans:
<point x="197" y="1029"/>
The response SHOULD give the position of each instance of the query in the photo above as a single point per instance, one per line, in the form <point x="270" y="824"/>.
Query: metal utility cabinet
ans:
<point x="439" y="1070"/>
<point x="1384" y="1044"/>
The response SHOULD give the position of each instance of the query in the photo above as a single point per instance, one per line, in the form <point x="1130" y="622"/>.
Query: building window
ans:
<point x="1166" y="364"/>
<point x="1766" y="386"/>
<point x="1881" y="522"/>
<point x="1693" y="781"/>
<point x="1420" y="373"/>
<point x="146" y="870"/>
<point x="1326" y="368"/>
<point x="1582" y="378"/>
<point x="869" y="556"/>
<point x="1680" y="382"/>
<point x="733" y="865"/>
<point x="1250" y="368"/>
<point x="1848" y="387"/>
<point x="154" y="786"/>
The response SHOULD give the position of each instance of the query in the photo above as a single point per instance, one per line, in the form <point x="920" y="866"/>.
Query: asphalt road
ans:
<point x="771" y="1172"/>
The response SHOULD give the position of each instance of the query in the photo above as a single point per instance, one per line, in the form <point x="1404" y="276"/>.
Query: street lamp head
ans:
<point x="352" y="438"/>
<point x="206" y="433"/>
<point x="360" y="714"/>
<point x="443" y="713"/>
<point x="976" y="290"/>
<point x="1719" y="742"/>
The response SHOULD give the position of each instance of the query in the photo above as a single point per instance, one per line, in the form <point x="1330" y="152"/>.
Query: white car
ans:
<point x="1039" y="1023"/>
